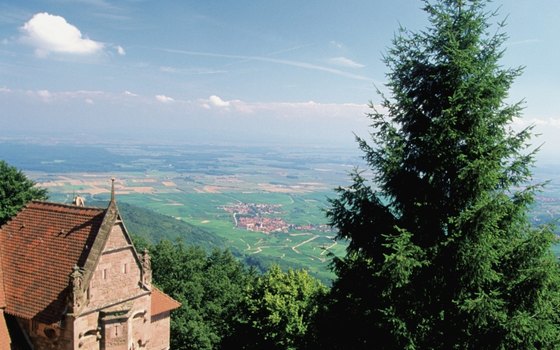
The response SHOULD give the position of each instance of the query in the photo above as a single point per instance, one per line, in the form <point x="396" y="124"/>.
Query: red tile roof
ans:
<point x="4" y="334"/>
<point x="162" y="302"/>
<point x="38" y="248"/>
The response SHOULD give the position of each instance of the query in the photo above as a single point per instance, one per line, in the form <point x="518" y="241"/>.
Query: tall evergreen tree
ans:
<point x="441" y="253"/>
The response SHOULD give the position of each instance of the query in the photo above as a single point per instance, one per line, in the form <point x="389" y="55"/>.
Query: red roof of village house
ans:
<point x="162" y="302"/>
<point x="38" y="249"/>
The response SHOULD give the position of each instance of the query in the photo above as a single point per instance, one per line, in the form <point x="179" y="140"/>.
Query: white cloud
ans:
<point x="120" y="50"/>
<point x="49" y="33"/>
<point x="128" y="93"/>
<point x="345" y="62"/>
<point x="285" y="109"/>
<point x="544" y="122"/>
<point x="553" y="122"/>
<point x="164" y="99"/>
<point x="5" y="89"/>
<point x="45" y="95"/>
<point x="218" y="102"/>
<point x="63" y="96"/>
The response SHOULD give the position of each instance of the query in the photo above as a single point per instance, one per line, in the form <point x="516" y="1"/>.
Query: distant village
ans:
<point x="259" y="217"/>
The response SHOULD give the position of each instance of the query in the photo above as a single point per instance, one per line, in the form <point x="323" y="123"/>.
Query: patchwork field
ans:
<point x="197" y="185"/>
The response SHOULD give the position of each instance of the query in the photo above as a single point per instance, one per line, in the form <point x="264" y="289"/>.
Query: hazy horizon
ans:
<point x="281" y="73"/>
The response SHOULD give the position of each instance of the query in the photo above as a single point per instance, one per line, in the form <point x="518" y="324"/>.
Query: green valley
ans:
<point x="191" y="187"/>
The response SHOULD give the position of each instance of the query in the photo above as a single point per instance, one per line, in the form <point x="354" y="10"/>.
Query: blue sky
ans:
<point x="278" y="71"/>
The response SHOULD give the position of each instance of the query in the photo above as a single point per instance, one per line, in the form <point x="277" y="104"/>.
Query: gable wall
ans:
<point x="115" y="284"/>
<point x="117" y="275"/>
<point x="116" y="238"/>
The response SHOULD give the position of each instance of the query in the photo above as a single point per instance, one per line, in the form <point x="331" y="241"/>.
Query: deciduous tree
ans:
<point x="210" y="288"/>
<point x="15" y="191"/>
<point x="279" y="311"/>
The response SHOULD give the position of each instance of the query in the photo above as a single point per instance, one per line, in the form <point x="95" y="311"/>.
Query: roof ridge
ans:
<point x="64" y="205"/>
<point x="45" y="206"/>
<point x="110" y="216"/>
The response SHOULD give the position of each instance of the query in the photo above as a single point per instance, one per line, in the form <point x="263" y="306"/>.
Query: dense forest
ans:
<point x="226" y="304"/>
<point x="441" y="253"/>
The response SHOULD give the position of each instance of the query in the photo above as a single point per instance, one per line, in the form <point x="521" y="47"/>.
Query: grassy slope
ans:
<point x="154" y="227"/>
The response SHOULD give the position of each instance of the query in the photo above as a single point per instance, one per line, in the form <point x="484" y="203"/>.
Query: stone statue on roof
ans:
<point x="147" y="267"/>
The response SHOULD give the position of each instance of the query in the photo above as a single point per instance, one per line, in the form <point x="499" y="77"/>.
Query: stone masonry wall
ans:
<point x="115" y="285"/>
<point x="117" y="275"/>
<point x="116" y="238"/>
<point x="160" y="331"/>
<point x="141" y="336"/>
<point x="87" y="332"/>
<point x="47" y="336"/>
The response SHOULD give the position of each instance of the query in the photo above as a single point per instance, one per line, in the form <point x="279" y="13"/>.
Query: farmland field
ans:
<point x="194" y="184"/>
<point x="200" y="184"/>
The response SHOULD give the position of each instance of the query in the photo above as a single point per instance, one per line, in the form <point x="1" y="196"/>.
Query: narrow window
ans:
<point x="125" y="268"/>
<point x="104" y="274"/>
<point x="116" y="330"/>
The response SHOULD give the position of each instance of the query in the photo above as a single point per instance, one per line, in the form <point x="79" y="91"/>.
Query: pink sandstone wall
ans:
<point x="86" y="332"/>
<point x="160" y="331"/>
<point x="115" y="284"/>
<point x="117" y="275"/>
<point x="47" y="336"/>
<point x="116" y="239"/>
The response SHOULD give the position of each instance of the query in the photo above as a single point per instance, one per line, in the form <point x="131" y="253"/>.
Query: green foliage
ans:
<point x="441" y="253"/>
<point x="278" y="312"/>
<point x="15" y="191"/>
<point x="210" y="287"/>
<point x="226" y="305"/>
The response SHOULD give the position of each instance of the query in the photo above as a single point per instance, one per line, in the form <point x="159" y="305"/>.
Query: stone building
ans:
<point x="70" y="278"/>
